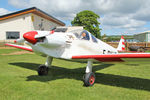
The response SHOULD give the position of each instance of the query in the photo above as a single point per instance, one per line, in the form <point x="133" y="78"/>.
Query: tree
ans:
<point x="104" y="38"/>
<point x="89" y="20"/>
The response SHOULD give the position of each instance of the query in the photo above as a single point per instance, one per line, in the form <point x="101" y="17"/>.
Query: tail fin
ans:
<point x="121" y="46"/>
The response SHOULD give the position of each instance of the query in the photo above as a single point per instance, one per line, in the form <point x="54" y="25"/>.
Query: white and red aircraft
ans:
<point x="73" y="45"/>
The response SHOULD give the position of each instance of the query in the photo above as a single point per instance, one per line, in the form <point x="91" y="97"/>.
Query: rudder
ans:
<point x="121" y="46"/>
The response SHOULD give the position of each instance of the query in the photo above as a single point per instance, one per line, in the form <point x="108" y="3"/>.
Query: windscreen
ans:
<point x="81" y="34"/>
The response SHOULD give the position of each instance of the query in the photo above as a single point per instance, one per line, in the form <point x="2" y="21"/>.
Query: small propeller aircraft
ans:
<point x="75" y="45"/>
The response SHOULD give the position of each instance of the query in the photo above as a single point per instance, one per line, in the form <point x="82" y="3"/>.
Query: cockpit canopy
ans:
<point x="84" y="35"/>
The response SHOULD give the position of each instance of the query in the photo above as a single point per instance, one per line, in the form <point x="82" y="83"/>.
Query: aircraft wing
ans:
<point x="20" y="47"/>
<point x="113" y="57"/>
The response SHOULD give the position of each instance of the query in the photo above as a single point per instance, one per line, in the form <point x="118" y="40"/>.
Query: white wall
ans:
<point x="46" y="24"/>
<point x="148" y="37"/>
<point x="140" y="37"/>
<point x="24" y="23"/>
<point x="20" y="23"/>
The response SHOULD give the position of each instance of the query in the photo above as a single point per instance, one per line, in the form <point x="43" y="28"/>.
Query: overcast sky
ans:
<point x="116" y="16"/>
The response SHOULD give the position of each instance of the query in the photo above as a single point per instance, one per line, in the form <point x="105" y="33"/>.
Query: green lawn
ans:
<point x="120" y="81"/>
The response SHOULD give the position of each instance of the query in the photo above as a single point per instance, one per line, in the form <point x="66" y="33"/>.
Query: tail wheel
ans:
<point x="42" y="70"/>
<point x="89" y="79"/>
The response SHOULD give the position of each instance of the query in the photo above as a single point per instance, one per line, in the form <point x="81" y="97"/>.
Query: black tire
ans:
<point x="42" y="70"/>
<point x="89" y="79"/>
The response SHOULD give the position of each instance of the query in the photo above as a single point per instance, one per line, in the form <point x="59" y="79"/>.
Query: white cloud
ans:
<point x="63" y="7"/>
<point x="123" y="14"/>
<point x="3" y="11"/>
<point x="116" y="21"/>
<point x="19" y="3"/>
<point x="59" y="8"/>
<point x="143" y="13"/>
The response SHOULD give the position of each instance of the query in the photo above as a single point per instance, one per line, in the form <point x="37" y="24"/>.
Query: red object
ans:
<point x="109" y="59"/>
<point x="29" y="36"/>
<point x="20" y="47"/>
<point x="92" y="80"/>
<point x="123" y="48"/>
<point x="51" y="32"/>
<point x="123" y="43"/>
<point x="15" y="41"/>
<point x="112" y="57"/>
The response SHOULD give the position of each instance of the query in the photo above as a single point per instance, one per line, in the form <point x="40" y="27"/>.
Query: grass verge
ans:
<point x="119" y="81"/>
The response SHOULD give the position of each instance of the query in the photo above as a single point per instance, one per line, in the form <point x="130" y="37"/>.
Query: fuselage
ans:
<point x="67" y="44"/>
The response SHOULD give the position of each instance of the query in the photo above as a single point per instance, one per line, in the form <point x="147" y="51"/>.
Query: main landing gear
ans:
<point x="43" y="69"/>
<point x="89" y="77"/>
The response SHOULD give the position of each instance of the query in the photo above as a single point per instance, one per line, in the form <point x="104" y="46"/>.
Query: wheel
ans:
<point x="42" y="70"/>
<point x="89" y="79"/>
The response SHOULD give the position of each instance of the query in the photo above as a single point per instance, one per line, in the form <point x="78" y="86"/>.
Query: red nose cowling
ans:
<point x="29" y="36"/>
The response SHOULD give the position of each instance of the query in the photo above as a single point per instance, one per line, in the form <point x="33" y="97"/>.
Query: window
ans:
<point x="84" y="35"/>
<point x="60" y="30"/>
<point x="94" y="39"/>
<point x="12" y="35"/>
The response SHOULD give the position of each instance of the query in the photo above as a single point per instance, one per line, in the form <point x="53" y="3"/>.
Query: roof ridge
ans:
<point x="28" y="9"/>
<point x="18" y="11"/>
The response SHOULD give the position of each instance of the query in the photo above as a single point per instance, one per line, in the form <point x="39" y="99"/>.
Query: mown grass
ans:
<point x="118" y="81"/>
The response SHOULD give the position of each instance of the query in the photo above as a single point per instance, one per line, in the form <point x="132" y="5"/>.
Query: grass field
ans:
<point x="120" y="81"/>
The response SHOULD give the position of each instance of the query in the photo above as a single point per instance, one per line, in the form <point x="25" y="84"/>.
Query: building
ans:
<point x="13" y="25"/>
<point x="142" y="37"/>
<point x="116" y="38"/>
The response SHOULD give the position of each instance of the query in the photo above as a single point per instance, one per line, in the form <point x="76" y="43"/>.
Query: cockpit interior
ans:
<point x="84" y="35"/>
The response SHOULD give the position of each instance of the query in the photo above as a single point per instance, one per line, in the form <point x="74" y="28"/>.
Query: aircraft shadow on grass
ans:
<point x="101" y="78"/>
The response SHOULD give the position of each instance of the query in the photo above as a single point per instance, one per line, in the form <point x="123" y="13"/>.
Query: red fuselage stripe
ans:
<point x="113" y="56"/>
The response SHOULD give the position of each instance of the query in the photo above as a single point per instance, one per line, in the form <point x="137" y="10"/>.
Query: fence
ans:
<point x="142" y="44"/>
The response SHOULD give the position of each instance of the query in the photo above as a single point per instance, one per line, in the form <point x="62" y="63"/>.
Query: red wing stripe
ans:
<point x="132" y="55"/>
<point x="20" y="47"/>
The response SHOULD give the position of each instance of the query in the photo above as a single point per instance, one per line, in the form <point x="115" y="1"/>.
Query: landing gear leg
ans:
<point x="89" y="77"/>
<point x="49" y="61"/>
<point x="43" y="69"/>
